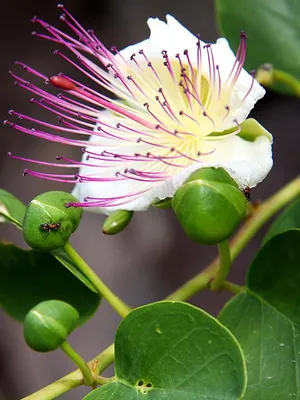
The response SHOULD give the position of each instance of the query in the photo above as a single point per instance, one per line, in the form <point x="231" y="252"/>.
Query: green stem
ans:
<point x="287" y="79"/>
<point x="101" y="380"/>
<point x="233" y="287"/>
<point x="121" y="308"/>
<point x="264" y="212"/>
<point x="224" y="265"/>
<point x="79" y="361"/>
<point x="74" y="379"/>
<point x="201" y="281"/>
<point x="12" y="220"/>
<point x="268" y="76"/>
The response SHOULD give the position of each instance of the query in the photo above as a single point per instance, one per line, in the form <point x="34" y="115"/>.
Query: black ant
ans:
<point x="50" y="226"/>
<point x="247" y="193"/>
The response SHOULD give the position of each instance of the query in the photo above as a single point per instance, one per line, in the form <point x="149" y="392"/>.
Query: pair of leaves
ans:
<point x="266" y="318"/>
<point x="172" y="350"/>
<point x="29" y="277"/>
<point x="273" y="31"/>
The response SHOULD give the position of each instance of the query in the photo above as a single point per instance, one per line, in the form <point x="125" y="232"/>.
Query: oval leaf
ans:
<point x="11" y="209"/>
<point x="28" y="277"/>
<point x="266" y="320"/>
<point x="172" y="350"/>
<point x="289" y="219"/>
<point x="273" y="32"/>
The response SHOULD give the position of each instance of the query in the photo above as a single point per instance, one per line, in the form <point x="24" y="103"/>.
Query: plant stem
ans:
<point x="12" y="220"/>
<point x="268" y="76"/>
<point x="264" y="212"/>
<point x="101" y="380"/>
<point x="79" y="361"/>
<point x="120" y="307"/>
<point x="224" y="265"/>
<point x="74" y="379"/>
<point x="201" y="281"/>
<point x="233" y="287"/>
<point x="287" y="79"/>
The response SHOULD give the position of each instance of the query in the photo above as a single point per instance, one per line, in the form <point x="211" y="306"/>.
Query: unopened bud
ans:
<point x="116" y="222"/>
<point x="48" y="325"/>
<point x="48" y="223"/>
<point x="209" y="206"/>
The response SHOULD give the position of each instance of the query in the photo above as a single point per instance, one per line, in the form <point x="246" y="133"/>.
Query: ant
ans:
<point x="247" y="193"/>
<point x="50" y="226"/>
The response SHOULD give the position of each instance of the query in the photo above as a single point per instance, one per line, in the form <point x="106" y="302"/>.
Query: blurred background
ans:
<point x="153" y="256"/>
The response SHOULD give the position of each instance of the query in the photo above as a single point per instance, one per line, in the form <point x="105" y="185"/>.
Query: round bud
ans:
<point x="48" y="223"/>
<point x="209" y="206"/>
<point x="212" y="174"/>
<point x="116" y="222"/>
<point x="48" y="324"/>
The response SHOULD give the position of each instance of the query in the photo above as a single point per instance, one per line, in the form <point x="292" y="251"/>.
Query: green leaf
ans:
<point x="266" y="320"/>
<point x="11" y="209"/>
<point x="28" y="277"/>
<point x="289" y="219"/>
<point x="172" y="350"/>
<point x="65" y="260"/>
<point x="273" y="30"/>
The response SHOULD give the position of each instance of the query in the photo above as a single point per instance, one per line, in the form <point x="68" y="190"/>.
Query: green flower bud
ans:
<point x="209" y="206"/>
<point x="48" y="324"/>
<point x="116" y="222"/>
<point x="48" y="223"/>
<point x="212" y="174"/>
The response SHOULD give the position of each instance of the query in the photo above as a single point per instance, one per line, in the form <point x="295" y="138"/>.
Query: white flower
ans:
<point x="180" y="105"/>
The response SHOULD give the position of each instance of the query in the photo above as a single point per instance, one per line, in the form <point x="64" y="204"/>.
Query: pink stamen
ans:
<point x="168" y="64"/>
<point x="130" y="134"/>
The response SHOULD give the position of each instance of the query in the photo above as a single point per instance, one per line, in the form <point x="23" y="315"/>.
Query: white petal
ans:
<point x="175" y="38"/>
<point x="224" y="57"/>
<point x="170" y="36"/>
<point x="247" y="162"/>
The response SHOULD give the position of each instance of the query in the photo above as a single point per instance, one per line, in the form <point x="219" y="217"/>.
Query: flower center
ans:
<point x="179" y="99"/>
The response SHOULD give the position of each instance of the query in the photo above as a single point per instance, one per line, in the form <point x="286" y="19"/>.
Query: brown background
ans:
<point x="153" y="257"/>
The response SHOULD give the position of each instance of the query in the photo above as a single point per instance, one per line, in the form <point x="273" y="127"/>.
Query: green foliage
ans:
<point x="117" y="222"/>
<point x="289" y="219"/>
<point x="172" y="350"/>
<point x="65" y="260"/>
<point x="48" y="324"/>
<point x="273" y="32"/>
<point x="30" y="277"/>
<point x="266" y="319"/>
<point x="209" y="206"/>
<point x="17" y="211"/>
<point x="48" y="222"/>
<point x="11" y="209"/>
